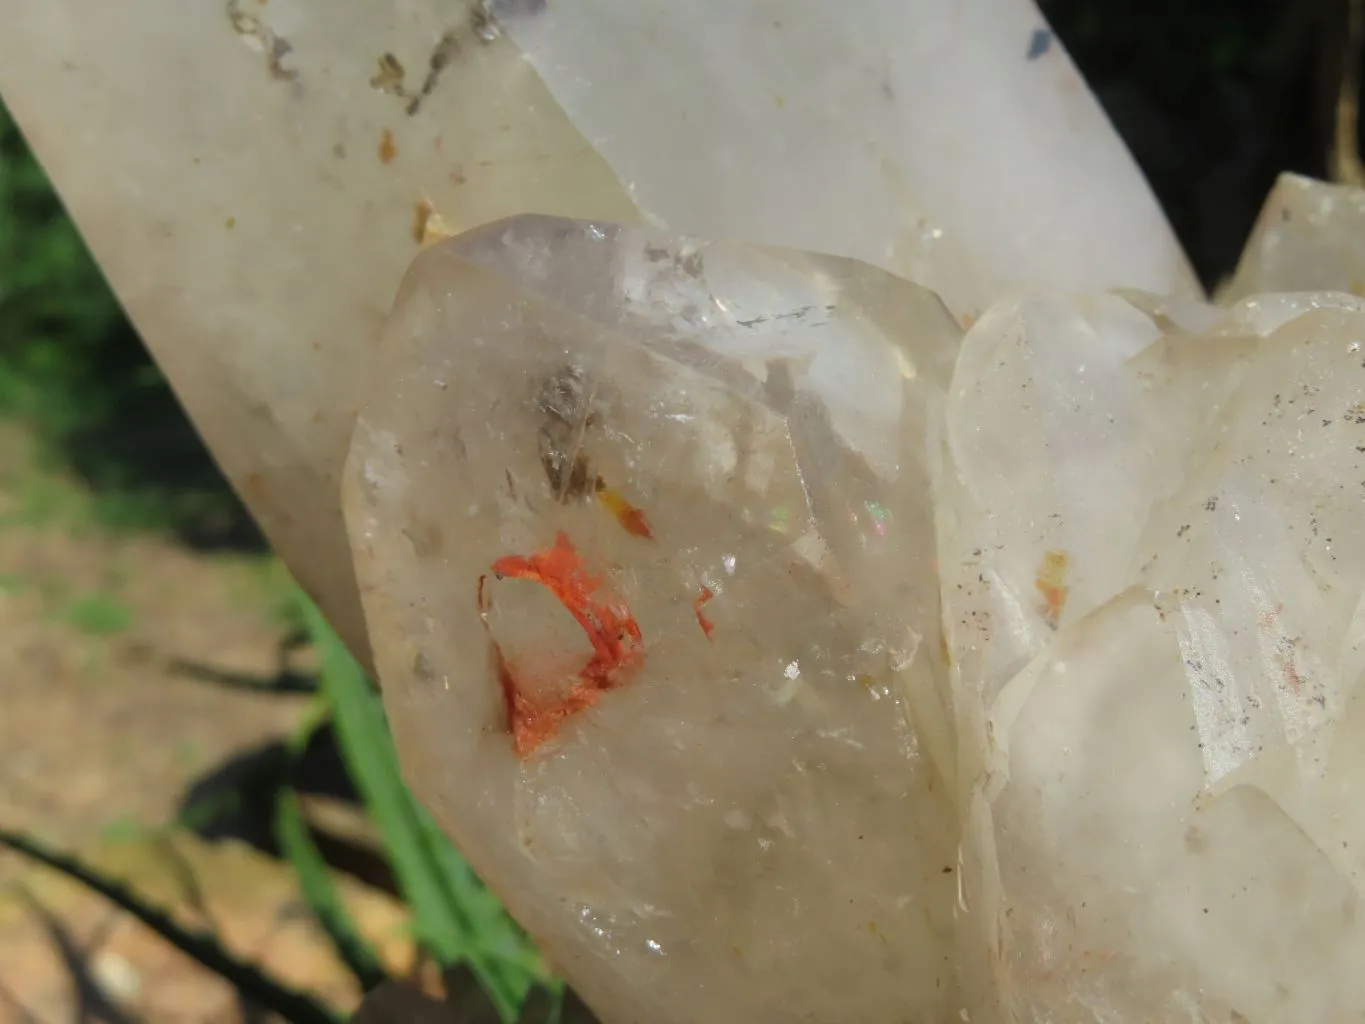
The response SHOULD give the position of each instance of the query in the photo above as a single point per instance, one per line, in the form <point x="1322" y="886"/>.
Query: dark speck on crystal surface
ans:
<point x="566" y="401"/>
<point x="1039" y="43"/>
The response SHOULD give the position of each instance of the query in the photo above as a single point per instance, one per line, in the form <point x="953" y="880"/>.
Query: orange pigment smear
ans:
<point x="631" y="518"/>
<point x="1051" y="584"/>
<point x="697" y="603"/>
<point x="611" y="629"/>
<point x="388" y="149"/>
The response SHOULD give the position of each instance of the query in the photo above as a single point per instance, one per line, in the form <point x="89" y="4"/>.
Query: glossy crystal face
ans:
<point x="652" y="520"/>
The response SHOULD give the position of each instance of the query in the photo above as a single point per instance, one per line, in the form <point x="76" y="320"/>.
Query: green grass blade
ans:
<point x="323" y="901"/>
<point x="315" y="878"/>
<point x="362" y="733"/>
<point x="501" y="948"/>
<point x="440" y="923"/>
<point x="256" y="986"/>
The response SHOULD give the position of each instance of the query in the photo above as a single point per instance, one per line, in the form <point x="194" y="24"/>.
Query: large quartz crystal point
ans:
<point x="1153" y="561"/>
<point x="952" y="143"/>
<point x="645" y="543"/>
<point x="255" y="178"/>
<point x="1310" y="236"/>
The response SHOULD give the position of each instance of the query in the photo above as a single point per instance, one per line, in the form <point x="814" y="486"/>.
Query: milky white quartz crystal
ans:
<point x="254" y="178"/>
<point x="1153" y="558"/>
<point x="779" y="653"/>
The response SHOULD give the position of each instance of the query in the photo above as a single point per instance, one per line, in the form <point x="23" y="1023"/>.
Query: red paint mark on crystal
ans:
<point x="611" y="629"/>
<point x="698" y="603"/>
<point x="631" y="518"/>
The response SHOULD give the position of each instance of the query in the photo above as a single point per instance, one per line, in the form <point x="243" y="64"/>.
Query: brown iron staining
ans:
<point x="567" y="401"/>
<point x="633" y="520"/>
<point x="1051" y="583"/>
<point x="390" y="77"/>
<point x="446" y="49"/>
<point x="428" y="227"/>
<point x="259" y="36"/>
<point x="690" y="261"/>
<point x="388" y="149"/>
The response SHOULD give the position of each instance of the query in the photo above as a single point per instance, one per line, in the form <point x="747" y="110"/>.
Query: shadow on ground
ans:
<point x="143" y="460"/>
<point x="237" y="799"/>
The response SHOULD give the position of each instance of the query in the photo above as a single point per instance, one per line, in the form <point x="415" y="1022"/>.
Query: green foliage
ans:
<point x="456" y="919"/>
<point x="99" y="615"/>
<point x="315" y="879"/>
<point x="55" y="310"/>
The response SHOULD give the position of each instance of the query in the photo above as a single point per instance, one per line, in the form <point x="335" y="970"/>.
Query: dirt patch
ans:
<point x="62" y="948"/>
<point x="123" y="660"/>
<point x="104" y="722"/>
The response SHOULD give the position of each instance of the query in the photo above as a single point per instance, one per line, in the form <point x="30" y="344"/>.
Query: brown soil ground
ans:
<point x="103" y="725"/>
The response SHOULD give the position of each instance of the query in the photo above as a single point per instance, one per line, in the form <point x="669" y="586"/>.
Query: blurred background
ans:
<point x="174" y="717"/>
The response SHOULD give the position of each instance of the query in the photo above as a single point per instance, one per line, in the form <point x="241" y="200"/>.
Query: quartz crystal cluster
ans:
<point x="781" y="639"/>
<point x="1152" y="556"/>
<point x="780" y="652"/>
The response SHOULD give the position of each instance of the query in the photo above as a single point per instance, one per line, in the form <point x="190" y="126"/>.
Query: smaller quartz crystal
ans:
<point x="1153" y="560"/>
<point x="1309" y="237"/>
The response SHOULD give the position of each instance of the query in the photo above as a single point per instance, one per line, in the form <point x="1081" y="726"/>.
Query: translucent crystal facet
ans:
<point x="644" y="535"/>
<point x="1153" y="562"/>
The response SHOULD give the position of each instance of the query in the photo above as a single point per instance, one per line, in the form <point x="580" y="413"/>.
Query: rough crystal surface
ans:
<point x="645" y="541"/>
<point x="1153" y="562"/>
<point x="779" y="654"/>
